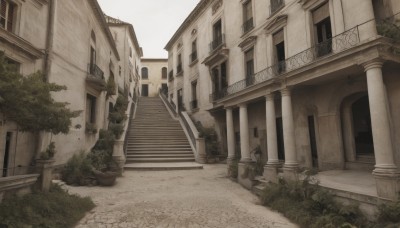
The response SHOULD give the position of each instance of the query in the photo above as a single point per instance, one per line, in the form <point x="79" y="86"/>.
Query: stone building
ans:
<point x="310" y="82"/>
<point x="154" y="76"/>
<point x="71" y="42"/>
<point x="128" y="46"/>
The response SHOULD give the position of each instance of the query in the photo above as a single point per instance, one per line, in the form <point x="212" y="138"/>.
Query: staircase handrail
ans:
<point x="196" y="142"/>
<point x="170" y="109"/>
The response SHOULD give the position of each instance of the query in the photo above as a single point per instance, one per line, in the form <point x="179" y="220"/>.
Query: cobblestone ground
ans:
<point x="196" y="198"/>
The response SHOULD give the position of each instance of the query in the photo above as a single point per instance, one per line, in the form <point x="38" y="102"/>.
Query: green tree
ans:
<point x="27" y="101"/>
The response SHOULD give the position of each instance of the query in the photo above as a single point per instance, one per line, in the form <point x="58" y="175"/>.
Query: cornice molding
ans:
<point x="100" y="17"/>
<point x="276" y="23"/>
<point x="197" y="11"/>
<point x="218" y="56"/>
<point x="308" y="4"/>
<point x="18" y="43"/>
<point x="248" y="42"/>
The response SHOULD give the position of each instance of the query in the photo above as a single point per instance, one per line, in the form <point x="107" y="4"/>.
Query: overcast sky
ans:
<point x="155" y="21"/>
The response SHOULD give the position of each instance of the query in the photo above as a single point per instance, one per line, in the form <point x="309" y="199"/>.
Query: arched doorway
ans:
<point x="364" y="143"/>
<point x="357" y="132"/>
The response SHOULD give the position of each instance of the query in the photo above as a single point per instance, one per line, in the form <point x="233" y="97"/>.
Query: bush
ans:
<point x="210" y="137"/>
<point x="78" y="170"/>
<point x="389" y="214"/>
<point x="311" y="206"/>
<point x="56" y="208"/>
<point x="116" y="129"/>
<point x="233" y="169"/>
<point x="49" y="152"/>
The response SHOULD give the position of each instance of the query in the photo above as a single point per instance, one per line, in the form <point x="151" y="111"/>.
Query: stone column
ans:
<point x="244" y="134"/>
<point x="386" y="173"/>
<point x="291" y="164"/>
<point x="270" y="169"/>
<point x="230" y="135"/>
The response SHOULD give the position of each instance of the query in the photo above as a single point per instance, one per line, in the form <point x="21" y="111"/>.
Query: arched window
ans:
<point x="145" y="73"/>
<point x="164" y="73"/>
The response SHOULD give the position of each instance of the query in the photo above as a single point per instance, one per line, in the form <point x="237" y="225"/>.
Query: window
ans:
<point x="179" y="66"/>
<point x="164" y="73"/>
<point x="276" y="5"/>
<point x="7" y="13"/>
<point x="14" y="66"/>
<point x="323" y="30"/>
<point x="219" y="77"/>
<point x="247" y="17"/>
<point x="217" y="36"/>
<point x="193" y="103"/>
<point x="193" y="56"/>
<point x="279" y="43"/>
<point x="249" y="61"/>
<point x="145" y="73"/>
<point x="90" y="109"/>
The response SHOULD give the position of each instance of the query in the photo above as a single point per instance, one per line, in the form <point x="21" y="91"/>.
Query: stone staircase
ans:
<point x="156" y="141"/>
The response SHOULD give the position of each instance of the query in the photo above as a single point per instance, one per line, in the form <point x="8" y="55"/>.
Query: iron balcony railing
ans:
<point x="276" y="5"/>
<point x="171" y="75"/>
<point x="217" y="42"/>
<point x="193" y="104"/>
<point x="247" y="26"/>
<point x="193" y="56"/>
<point x="95" y="71"/>
<point x="179" y="68"/>
<point x="341" y="42"/>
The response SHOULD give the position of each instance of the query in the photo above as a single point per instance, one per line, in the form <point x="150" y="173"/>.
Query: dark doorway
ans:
<point x="180" y="100"/>
<point x="7" y="154"/>
<point x="145" y="90"/>
<point x="280" y="56"/>
<point x="324" y="36"/>
<point x="164" y="88"/>
<point x="279" y="133"/>
<point x="313" y="141"/>
<point x="362" y="127"/>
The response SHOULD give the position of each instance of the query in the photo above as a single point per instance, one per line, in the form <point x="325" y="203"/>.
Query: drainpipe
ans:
<point x="49" y="39"/>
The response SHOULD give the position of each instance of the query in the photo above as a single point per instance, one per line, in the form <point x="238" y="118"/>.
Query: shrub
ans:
<point x="49" y="152"/>
<point x="116" y="129"/>
<point x="210" y="137"/>
<point x="101" y="154"/>
<point x="389" y="214"/>
<point x="77" y="170"/>
<point x="233" y="169"/>
<point x="56" y="208"/>
<point x="311" y="206"/>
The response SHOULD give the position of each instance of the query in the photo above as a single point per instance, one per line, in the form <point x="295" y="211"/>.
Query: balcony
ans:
<point x="275" y="6"/>
<point x="193" y="56"/>
<point x="337" y="44"/>
<point x="171" y="76"/>
<point x="179" y="69"/>
<point x="95" y="77"/>
<point x="217" y="42"/>
<point x="389" y="27"/>
<point x="193" y="105"/>
<point x="247" y="26"/>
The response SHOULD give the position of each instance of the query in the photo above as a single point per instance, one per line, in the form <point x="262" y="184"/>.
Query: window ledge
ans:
<point x="194" y="62"/>
<point x="18" y="43"/>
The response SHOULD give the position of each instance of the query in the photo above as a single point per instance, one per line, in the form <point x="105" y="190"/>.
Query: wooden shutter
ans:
<point x="278" y="37"/>
<point x="321" y="13"/>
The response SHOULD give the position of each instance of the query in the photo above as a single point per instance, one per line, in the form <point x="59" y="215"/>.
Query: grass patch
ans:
<point x="54" y="209"/>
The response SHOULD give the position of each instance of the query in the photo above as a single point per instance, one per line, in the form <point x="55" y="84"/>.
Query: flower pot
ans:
<point x="105" y="179"/>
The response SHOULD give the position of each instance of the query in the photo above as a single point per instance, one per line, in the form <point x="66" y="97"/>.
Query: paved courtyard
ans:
<point x="195" y="198"/>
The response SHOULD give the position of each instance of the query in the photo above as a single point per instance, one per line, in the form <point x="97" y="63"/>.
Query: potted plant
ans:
<point x="91" y="128"/>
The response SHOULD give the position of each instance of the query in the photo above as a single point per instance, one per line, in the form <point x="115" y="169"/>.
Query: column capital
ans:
<point x="242" y="105"/>
<point x="376" y="63"/>
<point x="228" y="108"/>
<point x="286" y="91"/>
<point x="270" y="97"/>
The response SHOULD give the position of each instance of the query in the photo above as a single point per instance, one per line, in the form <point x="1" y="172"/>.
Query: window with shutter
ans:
<point x="7" y="15"/>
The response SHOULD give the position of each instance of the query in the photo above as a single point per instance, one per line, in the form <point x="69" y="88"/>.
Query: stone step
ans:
<point x="159" y="152"/>
<point x="159" y="160"/>
<point x="159" y="156"/>
<point x="163" y="166"/>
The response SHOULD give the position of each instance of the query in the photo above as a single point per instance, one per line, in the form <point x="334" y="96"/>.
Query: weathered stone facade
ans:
<point x="73" y="44"/>
<point x="298" y="79"/>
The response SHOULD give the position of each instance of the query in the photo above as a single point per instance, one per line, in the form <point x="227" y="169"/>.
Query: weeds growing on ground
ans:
<point x="56" y="208"/>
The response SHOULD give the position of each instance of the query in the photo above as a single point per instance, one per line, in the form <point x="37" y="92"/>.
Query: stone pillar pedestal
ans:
<point x="119" y="156"/>
<point x="245" y="177"/>
<point x="45" y="169"/>
<point x="291" y="164"/>
<point x="201" y="151"/>
<point x="386" y="173"/>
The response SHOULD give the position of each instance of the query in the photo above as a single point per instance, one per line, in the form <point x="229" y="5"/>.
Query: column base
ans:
<point x="232" y="168"/>
<point x="271" y="172"/>
<point x="291" y="173"/>
<point x="387" y="185"/>
<point x="245" y="175"/>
